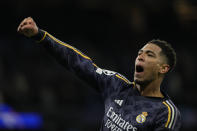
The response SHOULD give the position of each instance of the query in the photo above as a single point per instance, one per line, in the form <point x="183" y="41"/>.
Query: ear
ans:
<point x="164" y="68"/>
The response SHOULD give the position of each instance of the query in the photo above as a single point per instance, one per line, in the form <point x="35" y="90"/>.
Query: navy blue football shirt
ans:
<point x="125" y="108"/>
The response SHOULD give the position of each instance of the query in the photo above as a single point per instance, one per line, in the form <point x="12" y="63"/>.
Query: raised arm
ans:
<point x="73" y="59"/>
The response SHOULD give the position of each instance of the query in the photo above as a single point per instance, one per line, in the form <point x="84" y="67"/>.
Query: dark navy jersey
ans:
<point x="125" y="108"/>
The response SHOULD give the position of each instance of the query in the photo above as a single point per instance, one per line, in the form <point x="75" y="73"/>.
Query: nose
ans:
<point x="141" y="57"/>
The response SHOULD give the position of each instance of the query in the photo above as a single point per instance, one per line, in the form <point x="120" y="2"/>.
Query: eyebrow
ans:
<point x="148" y="51"/>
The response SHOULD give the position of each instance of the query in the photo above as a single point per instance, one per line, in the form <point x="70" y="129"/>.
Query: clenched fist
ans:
<point x="28" y="27"/>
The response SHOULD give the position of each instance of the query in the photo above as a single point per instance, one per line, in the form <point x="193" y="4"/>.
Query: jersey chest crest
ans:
<point x="141" y="118"/>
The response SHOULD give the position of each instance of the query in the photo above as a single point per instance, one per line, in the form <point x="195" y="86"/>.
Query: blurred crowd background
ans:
<point x="111" y="33"/>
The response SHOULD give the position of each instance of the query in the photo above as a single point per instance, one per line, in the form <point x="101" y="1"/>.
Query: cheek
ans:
<point x="152" y="73"/>
<point x="152" y="67"/>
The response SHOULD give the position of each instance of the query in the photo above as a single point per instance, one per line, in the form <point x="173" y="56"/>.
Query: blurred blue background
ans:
<point x="110" y="32"/>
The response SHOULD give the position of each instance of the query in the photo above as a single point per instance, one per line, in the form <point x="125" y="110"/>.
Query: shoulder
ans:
<point x="123" y="78"/>
<point x="170" y="114"/>
<point x="112" y="74"/>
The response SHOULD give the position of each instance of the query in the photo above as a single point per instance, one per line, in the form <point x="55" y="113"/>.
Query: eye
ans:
<point x="151" y="55"/>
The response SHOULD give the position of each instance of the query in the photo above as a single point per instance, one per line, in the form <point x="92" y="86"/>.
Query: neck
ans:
<point x="152" y="89"/>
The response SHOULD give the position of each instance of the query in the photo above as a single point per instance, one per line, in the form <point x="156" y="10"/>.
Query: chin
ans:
<point x="142" y="83"/>
<point x="137" y="81"/>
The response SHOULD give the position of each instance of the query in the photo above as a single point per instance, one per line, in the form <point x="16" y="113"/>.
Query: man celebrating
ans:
<point x="129" y="106"/>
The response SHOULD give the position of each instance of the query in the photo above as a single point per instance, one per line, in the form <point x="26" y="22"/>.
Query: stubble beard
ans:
<point x="143" y="83"/>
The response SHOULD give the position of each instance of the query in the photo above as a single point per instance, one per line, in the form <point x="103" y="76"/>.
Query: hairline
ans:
<point x="161" y="53"/>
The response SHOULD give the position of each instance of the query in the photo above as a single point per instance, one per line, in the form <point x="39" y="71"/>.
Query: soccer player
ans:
<point x="129" y="106"/>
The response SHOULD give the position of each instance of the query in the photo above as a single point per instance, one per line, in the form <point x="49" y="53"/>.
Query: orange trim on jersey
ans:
<point x="64" y="44"/>
<point x="45" y="33"/>
<point x="95" y="65"/>
<point x="169" y="114"/>
<point x="122" y="78"/>
<point x="133" y="84"/>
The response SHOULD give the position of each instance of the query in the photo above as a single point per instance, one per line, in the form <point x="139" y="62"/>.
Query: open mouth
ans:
<point x="139" y="68"/>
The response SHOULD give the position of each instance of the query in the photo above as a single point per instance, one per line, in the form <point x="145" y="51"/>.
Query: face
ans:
<point x="148" y="64"/>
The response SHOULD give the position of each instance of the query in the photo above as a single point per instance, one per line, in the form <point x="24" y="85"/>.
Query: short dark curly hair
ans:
<point x="167" y="51"/>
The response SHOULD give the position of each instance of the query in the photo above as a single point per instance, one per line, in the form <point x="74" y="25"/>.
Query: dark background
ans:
<point x="110" y="32"/>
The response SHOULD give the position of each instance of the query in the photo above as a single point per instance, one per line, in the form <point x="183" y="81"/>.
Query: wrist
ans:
<point x="40" y="36"/>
